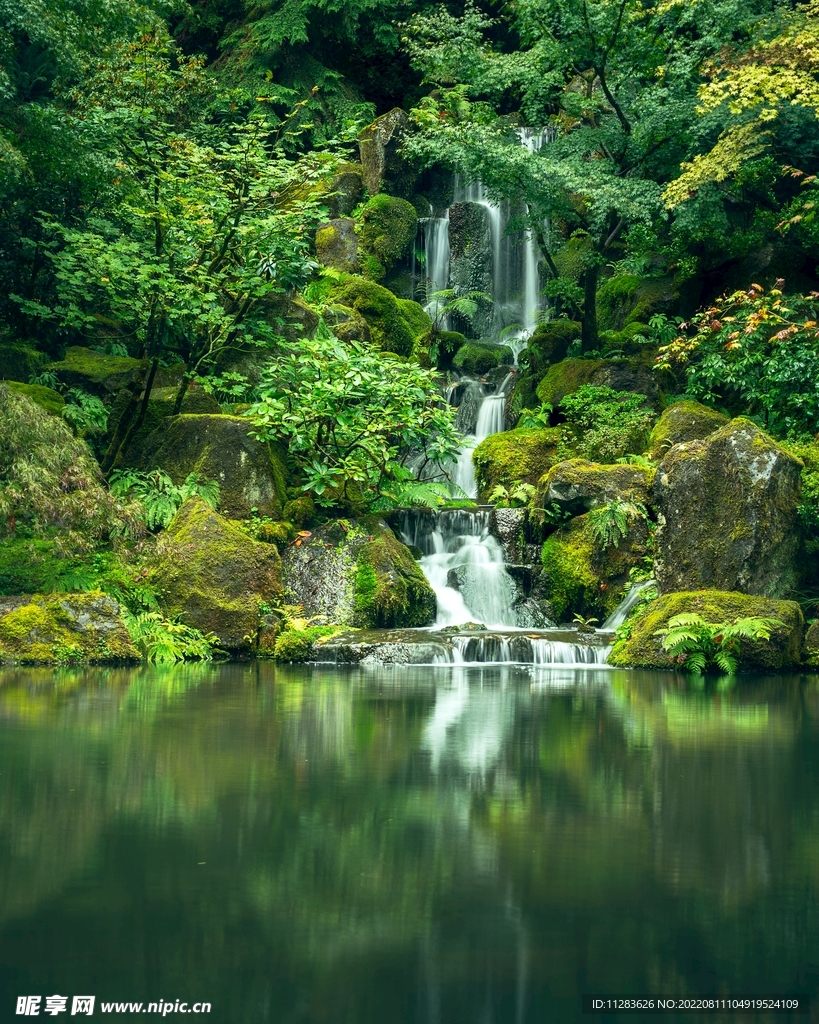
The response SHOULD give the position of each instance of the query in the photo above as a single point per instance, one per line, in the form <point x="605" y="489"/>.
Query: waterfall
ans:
<point x="436" y="259"/>
<point x="621" y="612"/>
<point x="491" y="420"/>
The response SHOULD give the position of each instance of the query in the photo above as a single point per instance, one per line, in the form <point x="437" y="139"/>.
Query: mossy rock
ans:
<point x="383" y="163"/>
<point x="584" y="578"/>
<point x="300" y="511"/>
<point x="53" y="629"/>
<point x="634" y="374"/>
<point x="517" y="455"/>
<point x="389" y="328"/>
<point x="386" y="230"/>
<point x="578" y="485"/>
<point x="214" y="577"/>
<point x="681" y="422"/>
<point x="19" y="361"/>
<point x="47" y="398"/>
<point x="726" y="513"/>
<point x="480" y="359"/>
<point x="337" y="245"/>
<point x="417" y="318"/>
<point x="347" y="324"/>
<point x="643" y="649"/>
<point x="251" y="474"/>
<point x="550" y="341"/>
<point x="357" y="573"/>
<point x="628" y="298"/>
<point x="95" y="372"/>
<point x="160" y="409"/>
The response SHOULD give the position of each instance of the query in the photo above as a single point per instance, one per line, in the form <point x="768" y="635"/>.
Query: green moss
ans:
<point x="300" y="511"/>
<point x="325" y="237"/>
<point x="683" y="421"/>
<point x="517" y="455"/>
<point x="390" y="590"/>
<point x="55" y="629"/>
<point x="48" y="399"/>
<point x="293" y="645"/>
<point x="480" y="359"/>
<point x="385" y="231"/>
<point x="389" y="328"/>
<point x="579" y="484"/>
<point x="614" y="301"/>
<point x="566" y="377"/>
<point x="280" y="533"/>
<point x="550" y="341"/>
<point x="416" y="317"/>
<point x="571" y="259"/>
<point x="94" y="371"/>
<point x="19" y="361"/>
<point x="213" y="576"/>
<point x="643" y="649"/>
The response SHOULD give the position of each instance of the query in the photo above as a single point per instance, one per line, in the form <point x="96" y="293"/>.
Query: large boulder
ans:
<point x="480" y="359"/>
<point x="95" y="372"/>
<point x="389" y="328"/>
<point x="681" y="422"/>
<point x="337" y="245"/>
<point x="379" y="146"/>
<point x="19" y="361"/>
<point x="726" y="514"/>
<point x="214" y="577"/>
<point x="160" y="408"/>
<point x="357" y="573"/>
<point x="54" y="629"/>
<point x="584" y="577"/>
<point x="251" y="474"/>
<point x="643" y="648"/>
<point x="514" y="456"/>
<point x="47" y="398"/>
<point x="470" y="259"/>
<point x="578" y="485"/>
<point x="386" y="231"/>
<point x="566" y="377"/>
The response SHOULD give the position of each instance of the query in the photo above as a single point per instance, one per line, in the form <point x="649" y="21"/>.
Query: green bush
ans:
<point x="609" y="424"/>
<point x="293" y="645"/>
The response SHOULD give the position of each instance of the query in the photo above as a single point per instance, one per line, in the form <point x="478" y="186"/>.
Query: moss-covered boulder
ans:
<point x="389" y="329"/>
<point x="337" y="245"/>
<point x="95" y="372"/>
<point x="629" y="298"/>
<point x="47" y="398"/>
<point x="54" y="629"/>
<point x="633" y="374"/>
<point x="480" y="359"/>
<point x="643" y="649"/>
<point x="578" y="485"/>
<point x="19" y="361"/>
<point x="160" y="408"/>
<point x="214" y="577"/>
<point x="417" y="318"/>
<point x="517" y="455"/>
<point x="251" y="474"/>
<point x="385" y="231"/>
<point x="470" y="253"/>
<point x="585" y="578"/>
<point x="680" y="422"/>
<point x="726" y="513"/>
<point x="357" y="573"/>
<point x="550" y="341"/>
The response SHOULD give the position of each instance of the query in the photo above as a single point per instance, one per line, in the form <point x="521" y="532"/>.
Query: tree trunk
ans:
<point x="180" y="394"/>
<point x="129" y="413"/>
<point x="589" y="336"/>
<point x="131" y="419"/>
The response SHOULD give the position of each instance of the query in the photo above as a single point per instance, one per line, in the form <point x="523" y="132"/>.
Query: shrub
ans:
<point x="609" y="423"/>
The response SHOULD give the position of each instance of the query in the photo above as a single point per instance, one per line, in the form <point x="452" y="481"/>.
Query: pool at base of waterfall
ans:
<point x="569" y="647"/>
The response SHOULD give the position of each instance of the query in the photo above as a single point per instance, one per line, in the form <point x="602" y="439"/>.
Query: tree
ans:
<point x="616" y="79"/>
<point x="209" y="222"/>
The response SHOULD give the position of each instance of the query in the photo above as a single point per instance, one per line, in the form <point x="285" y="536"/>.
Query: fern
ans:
<point x="86" y="413"/>
<point x="165" y="642"/>
<point x="514" y="496"/>
<point x="698" y="645"/>
<point x="159" y="495"/>
<point x="609" y="523"/>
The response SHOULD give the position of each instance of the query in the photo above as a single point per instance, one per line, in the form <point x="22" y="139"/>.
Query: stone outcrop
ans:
<point x="577" y="485"/>
<point x="95" y="372"/>
<point x="159" y="409"/>
<point x="53" y="629"/>
<point x="681" y="422"/>
<point x="214" y="577"/>
<point x="251" y="474"/>
<point x="357" y="573"/>
<point x="516" y="455"/>
<point x="386" y="230"/>
<point x="566" y="377"/>
<point x="337" y="245"/>
<point x="726" y="514"/>
<point x="643" y="648"/>
<point x="379" y="145"/>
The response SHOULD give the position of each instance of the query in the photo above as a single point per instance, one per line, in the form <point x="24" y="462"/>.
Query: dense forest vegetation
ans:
<point x="209" y="215"/>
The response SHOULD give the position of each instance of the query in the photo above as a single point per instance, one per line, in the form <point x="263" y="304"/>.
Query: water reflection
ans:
<point x="408" y="844"/>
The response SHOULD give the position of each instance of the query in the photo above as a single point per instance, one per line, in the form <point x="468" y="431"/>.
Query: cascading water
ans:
<point x="491" y="420"/>
<point x="436" y="260"/>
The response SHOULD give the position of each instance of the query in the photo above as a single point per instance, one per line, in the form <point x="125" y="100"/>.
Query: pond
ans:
<point x="297" y="844"/>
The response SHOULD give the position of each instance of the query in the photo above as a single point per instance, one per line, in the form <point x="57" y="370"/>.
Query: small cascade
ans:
<point x="436" y="259"/>
<point x="621" y="612"/>
<point x="491" y="419"/>
<point x="525" y="649"/>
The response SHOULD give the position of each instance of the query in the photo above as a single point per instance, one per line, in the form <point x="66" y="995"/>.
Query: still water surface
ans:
<point x="404" y="845"/>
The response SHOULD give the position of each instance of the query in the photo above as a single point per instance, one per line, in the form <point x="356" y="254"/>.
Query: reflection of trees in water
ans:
<point x="507" y="825"/>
